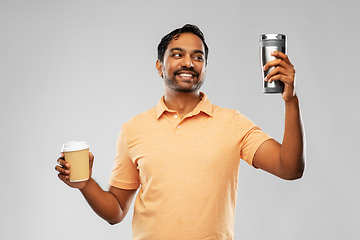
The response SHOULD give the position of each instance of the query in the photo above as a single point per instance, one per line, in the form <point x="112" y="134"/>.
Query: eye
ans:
<point x="199" y="58"/>
<point x="176" y="55"/>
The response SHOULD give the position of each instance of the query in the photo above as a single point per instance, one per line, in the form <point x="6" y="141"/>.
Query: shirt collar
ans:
<point x="203" y="106"/>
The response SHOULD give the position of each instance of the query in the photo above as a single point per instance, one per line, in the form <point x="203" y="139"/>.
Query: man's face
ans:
<point x="183" y="67"/>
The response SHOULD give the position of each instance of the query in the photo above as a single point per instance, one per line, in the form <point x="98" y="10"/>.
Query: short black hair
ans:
<point x="187" y="28"/>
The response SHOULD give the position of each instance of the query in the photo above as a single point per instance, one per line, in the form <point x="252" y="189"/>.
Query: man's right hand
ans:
<point x="111" y="205"/>
<point x="63" y="168"/>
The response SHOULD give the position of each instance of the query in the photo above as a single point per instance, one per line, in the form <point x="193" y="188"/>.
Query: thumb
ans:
<point x="91" y="160"/>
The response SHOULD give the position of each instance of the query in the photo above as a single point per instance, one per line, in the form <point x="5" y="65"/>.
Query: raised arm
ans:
<point x="286" y="160"/>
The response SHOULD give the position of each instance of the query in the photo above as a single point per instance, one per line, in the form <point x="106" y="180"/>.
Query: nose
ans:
<point x="187" y="62"/>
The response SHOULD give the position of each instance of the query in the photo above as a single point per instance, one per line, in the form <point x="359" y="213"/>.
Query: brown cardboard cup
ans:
<point x="77" y="154"/>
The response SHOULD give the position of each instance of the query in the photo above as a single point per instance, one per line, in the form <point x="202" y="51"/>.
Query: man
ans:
<point x="184" y="154"/>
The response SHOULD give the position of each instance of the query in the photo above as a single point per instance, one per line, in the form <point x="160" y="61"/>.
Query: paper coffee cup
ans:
<point x="77" y="154"/>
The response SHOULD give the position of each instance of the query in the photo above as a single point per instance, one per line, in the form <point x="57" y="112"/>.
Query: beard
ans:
<point x="174" y="85"/>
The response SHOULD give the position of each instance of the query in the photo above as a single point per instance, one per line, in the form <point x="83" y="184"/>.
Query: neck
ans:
<point x="182" y="102"/>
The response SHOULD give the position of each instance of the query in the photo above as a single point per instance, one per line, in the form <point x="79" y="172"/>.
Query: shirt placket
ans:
<point x="174" y="118"/>
<point x="177" y="121"/>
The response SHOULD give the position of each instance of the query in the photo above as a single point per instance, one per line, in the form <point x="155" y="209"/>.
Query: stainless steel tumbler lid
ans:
<point x="273" y="39"/>
<point x="272" y="36"/>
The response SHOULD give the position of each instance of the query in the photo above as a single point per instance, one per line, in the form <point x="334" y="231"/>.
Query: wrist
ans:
<point x="86" y="185"/>
<point x="293" y="100"/>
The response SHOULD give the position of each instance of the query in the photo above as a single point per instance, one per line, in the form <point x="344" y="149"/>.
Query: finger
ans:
<point x="273" y="73"/>
<point x="288" y="80"/>
<point x="277" y="62"/>
<point x="61" y="157"/>
<point x="278" y="71"/>
<point x="278" y="54"/>
<point x="62" y="170"/>
<point x="281" y="74"/>
<point x="281" y="78"/>
<point x="63" y="163"/>
<point x="91" y="159"/>
<point x="281" y="56"/>
<point x="281" y="59"/>
<point x="63" y="177"/>
<point x="271" y="64"/>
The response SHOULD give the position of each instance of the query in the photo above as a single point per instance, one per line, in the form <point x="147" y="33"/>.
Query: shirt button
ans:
<point x="178" y="126"/>
<point x="176" y="116"/>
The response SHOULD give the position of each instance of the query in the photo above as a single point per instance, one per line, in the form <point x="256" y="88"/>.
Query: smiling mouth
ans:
<point x="186" y="77"/>
<point x="186" y="73"/>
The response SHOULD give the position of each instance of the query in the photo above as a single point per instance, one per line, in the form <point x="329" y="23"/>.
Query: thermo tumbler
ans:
<point x="269" y="43"/>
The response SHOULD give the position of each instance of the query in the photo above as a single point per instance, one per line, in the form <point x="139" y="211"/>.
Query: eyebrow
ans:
<point x="182" y="50"/>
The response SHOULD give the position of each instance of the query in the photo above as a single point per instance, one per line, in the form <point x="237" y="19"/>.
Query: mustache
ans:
<point x="188" y="70"/>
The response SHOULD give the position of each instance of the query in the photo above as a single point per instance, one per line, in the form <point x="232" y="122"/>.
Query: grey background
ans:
<point x="77" y="70"/>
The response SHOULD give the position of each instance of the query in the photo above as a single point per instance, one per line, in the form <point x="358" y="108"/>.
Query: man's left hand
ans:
<point x="283" y="71"/>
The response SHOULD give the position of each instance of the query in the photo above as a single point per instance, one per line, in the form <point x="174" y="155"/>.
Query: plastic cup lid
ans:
<point x="74" y="146"/>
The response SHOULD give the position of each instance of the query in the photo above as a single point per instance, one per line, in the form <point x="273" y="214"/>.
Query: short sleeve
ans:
<point x="251" y="137"/>
<point x="125" y="174"/>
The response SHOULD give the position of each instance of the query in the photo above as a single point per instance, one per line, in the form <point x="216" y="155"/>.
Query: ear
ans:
<point x="159" y="67"/>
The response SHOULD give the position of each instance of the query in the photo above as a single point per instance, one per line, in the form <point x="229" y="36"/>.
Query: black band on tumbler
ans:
<point x="272" y="42"/>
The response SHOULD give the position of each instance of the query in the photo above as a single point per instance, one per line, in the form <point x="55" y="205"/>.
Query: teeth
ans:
<point x="185" y="75"/>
